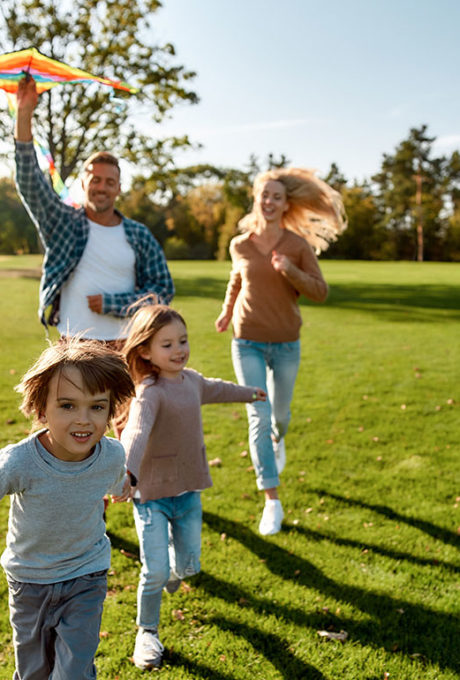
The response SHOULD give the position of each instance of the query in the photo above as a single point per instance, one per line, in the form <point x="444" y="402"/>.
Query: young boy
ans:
<point x="57" y="552"/>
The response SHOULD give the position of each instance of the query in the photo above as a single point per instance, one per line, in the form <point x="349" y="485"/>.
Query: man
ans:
<point x="97" y="262"/>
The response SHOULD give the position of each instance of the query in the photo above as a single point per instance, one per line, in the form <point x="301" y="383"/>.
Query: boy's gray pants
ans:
<point x="56" y="627"/>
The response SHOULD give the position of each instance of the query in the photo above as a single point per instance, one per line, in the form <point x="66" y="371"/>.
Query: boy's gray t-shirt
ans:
<point x="56" y="529"/>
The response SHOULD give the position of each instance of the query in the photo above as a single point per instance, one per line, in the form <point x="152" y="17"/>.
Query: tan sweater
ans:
<point x="163" y="438"/>
<point x="263" y="301"/>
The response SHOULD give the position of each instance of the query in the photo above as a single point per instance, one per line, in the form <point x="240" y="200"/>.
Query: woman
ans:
<point x="272" y="264"/>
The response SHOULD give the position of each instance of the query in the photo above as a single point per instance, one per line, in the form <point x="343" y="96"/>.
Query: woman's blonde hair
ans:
<point x="144" y="325"/>
<point x="315" y="209"/>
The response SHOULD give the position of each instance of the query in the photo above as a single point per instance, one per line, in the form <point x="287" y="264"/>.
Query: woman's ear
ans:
<point x="42" y="418"/>
<point x="286" y="207"/>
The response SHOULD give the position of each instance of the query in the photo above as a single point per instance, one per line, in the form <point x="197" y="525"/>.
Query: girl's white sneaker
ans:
<point x="148" y="650"/>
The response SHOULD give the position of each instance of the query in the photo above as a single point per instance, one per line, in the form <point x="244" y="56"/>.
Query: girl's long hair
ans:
<point x="315" y="211"/>
<point x="144" y="325"/>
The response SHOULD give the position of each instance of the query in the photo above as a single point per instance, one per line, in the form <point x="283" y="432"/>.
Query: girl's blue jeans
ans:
<point x="273" y="366"/>
<point x="169" y="531"/>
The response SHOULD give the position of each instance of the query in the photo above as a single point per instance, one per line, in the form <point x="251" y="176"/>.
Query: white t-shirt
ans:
<point x="106" y="266"/>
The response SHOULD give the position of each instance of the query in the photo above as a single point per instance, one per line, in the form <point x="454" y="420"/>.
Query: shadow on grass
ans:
<point x="398" y="302"/>
<point x="123" y="544"/>
<point x="396" y="555"/>
<point x="295" y="671"/>
<point x="395" y="624"/>
<point x="203" y="286"/>
<point x="195" y="669"/>
<point x="273" y="649"/>
<point x="439" y="533"/>
<point x="421" y="303"/>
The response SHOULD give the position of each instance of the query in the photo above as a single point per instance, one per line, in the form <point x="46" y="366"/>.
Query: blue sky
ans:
<point x="320" y="82"/>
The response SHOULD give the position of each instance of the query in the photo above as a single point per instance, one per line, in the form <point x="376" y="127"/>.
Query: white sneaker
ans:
<point x="280" y="454"/>
<point x="272" y="517"/>
<point x="148" y="650"/>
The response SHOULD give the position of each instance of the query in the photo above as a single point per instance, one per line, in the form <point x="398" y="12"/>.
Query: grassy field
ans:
<point x="371" y="490"/>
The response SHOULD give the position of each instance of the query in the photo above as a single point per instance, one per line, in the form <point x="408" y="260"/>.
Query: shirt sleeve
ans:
<point x="152" y="275"/>
<point x="234" y="284"/>
<point x="11" y="473"/>
<point x="38" y="196"/>
<point x="143" y="412"/>
<point x="118" y="456"/>
<point x="308" y="279"/>
<point x="216" y="391"/>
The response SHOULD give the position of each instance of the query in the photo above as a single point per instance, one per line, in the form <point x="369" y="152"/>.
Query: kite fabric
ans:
<point x="46" y="72"/>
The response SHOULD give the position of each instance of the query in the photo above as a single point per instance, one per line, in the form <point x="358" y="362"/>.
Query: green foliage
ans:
<point x="364" y="237"/>
<point x="111" y="38"/>
<point x="370" y="539"/>
<point x="17" y="233"/>
<point x="137" y="205"/>
<point x="177" y="249"/>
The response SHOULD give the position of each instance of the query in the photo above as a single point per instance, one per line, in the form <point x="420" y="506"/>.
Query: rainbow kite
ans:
<point x="46" y="72"/>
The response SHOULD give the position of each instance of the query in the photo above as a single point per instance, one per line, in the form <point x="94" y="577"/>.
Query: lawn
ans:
<point x="371" y="490"/>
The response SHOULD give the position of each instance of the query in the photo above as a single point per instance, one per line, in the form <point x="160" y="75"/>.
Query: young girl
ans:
<point x="166" y="458"/>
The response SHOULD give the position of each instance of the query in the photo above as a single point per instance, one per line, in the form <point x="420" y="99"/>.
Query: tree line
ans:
<point x="410" y="209"/>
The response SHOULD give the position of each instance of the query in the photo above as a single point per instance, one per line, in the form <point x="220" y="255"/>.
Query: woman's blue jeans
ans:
<point x="273" y="366"/>
<point x="169" y="531"/>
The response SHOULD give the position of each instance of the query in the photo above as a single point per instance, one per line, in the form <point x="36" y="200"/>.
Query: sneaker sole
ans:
<point x="147" y="666"/>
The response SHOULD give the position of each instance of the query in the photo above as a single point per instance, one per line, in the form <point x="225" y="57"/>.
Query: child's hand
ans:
<point x="125" y="494"/>
<point x="259" y="395"/>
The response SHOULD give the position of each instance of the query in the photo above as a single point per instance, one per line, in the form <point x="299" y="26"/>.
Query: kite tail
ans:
<point x="58" y="185"/>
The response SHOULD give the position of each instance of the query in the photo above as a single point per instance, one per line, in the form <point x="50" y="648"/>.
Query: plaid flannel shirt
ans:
<point x="64" y="231"/>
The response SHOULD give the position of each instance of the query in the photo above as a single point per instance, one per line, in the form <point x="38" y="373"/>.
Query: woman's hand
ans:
<point x="281" y="263"/>
<point x="223" y="322"/>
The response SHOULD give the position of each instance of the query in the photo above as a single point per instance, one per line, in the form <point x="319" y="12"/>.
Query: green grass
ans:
<point x="371" y="490"/>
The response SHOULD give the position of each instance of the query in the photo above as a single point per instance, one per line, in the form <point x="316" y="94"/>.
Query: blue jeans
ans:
<point x="273" y="366"/>
<point x="169" y="531"/>
<point x="56" y="626"/>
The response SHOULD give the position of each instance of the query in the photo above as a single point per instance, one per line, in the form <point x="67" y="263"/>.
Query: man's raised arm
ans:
<point x="27" y="99"/>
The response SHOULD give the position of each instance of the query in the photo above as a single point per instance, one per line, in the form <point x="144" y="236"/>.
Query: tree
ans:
<point x="104" y="37"/>
<point x="363" y="239"/>
<point x="410" y="189"/>
<point x="451" y="240"/>
<point x="335" y="178"/>
<point x="17" y="233"/>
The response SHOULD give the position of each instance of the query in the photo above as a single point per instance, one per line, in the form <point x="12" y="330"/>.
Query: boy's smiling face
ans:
<point x="76" y="419"/>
